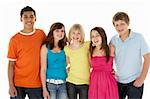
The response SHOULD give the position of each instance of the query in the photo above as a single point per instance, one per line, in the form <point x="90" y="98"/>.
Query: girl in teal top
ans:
<point x="53" y="63"/>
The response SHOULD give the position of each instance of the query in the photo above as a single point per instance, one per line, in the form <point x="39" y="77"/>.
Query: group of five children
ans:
<point x="57" y="67"/>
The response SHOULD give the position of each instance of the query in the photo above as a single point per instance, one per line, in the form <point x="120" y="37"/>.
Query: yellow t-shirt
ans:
<point x="79" y="64"/>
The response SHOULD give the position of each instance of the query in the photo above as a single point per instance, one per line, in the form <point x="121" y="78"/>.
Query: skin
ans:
<point x="28" y="19"/>
<point x="123" y="31"/>
<point x="58" y="35"/>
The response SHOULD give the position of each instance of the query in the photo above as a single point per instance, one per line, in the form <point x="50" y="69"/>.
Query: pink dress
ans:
<point x="102" y="82"/>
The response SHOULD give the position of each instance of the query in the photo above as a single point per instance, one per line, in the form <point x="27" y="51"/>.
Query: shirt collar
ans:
<point x="131" y="35"/>
<point x="27" y="33"/>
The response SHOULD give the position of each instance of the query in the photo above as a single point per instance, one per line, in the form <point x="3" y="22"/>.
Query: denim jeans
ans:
<point x="57" y="91"/>
<point x="33" y="93"/>
<point x="73" y="90"/>
<point x="130" y="91"/>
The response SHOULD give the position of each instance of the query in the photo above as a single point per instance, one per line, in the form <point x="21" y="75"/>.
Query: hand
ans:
<point x="46" y="94"/>
<point x="12" y="91"/>
<point x="138" y="82"/>
<point x="68" y="69"/>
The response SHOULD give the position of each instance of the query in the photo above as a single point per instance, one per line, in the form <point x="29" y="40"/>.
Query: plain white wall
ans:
<point x="89" y="13"/>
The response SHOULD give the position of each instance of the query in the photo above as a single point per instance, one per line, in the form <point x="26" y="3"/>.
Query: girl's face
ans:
<point x="76" y="36"/>
<point x="28" y="18"/>
<point x="121" y="27"/>
<point x="96" y="38"/>
<point x="59" y="34"/>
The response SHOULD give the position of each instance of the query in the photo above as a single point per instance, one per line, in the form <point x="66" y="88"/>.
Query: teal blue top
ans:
<point x="56" y="65"/>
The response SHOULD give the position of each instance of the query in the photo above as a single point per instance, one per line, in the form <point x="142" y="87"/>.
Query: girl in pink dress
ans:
<point x="102" y="82"/>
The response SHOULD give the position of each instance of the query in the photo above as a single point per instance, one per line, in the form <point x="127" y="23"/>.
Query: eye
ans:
<point x="57" y="30"/>
<point x="31" y="16"/>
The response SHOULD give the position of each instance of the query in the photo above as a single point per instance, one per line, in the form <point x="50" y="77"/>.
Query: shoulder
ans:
<point x="87" y="44"/>
<point x="138" y="36"/>
<point x="39" y="30"/>
<point x="14" y="37"/>
<point x="66" y="48"/>
<point x="44" y="48"/>
<point x="114" y="37"/>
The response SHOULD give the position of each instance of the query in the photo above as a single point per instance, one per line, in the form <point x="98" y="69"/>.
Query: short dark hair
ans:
<point x="121" y="16"/>
<point x="27" y="8"/>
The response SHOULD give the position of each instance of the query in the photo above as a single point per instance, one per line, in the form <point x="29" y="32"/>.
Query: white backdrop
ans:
<point x="89" y="13"/>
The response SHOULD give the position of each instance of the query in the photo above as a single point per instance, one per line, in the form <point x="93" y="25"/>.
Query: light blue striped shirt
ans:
<point x="128" y="56"/>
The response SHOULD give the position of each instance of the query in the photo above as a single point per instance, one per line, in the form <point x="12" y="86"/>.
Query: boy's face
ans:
<point x="28" y="18"/>
<point x="121" y="27"/>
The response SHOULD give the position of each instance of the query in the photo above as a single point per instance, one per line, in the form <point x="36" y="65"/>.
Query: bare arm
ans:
<point x="68" y="64"/>
<point x="43" y="71"/>
<point x="12" y="89"/>
<point x="140" y="80"/>
<point x="112" y="50"/>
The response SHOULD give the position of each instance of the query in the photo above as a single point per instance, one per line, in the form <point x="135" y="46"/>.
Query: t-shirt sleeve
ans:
<point x="144" y="46"/>
<point x="66" y="49"/>
<point x="12" y="50"/>
<point x="112" y="41"/>
<point x="87" y="44"/>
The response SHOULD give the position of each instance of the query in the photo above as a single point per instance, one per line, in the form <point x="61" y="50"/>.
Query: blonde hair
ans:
<point x="74" y="28"/>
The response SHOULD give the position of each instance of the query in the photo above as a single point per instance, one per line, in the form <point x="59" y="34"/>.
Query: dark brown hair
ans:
<point x="104" y="44"/>
<point x="121" y="16"/>
<point x="50" y="38"/>
<point x="27" y="8"/>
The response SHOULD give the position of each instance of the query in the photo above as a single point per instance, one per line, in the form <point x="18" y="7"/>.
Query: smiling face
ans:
<point x="59" y="34"/>
<point x="121" y="27"/>
<point x="28" y="18"/>
<point x="76" y="36"/>
<point x="96" y="38"/>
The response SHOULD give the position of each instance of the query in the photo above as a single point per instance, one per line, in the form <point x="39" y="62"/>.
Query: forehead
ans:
<point x="62" y="28"/>
<point x="94" y="32"/>
<point x="119" y="22"/>
<point x="76" y="31"/>
<point x="28" y="13"/>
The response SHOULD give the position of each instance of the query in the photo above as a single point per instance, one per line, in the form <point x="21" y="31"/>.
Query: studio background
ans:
<point x="88" y="13"/>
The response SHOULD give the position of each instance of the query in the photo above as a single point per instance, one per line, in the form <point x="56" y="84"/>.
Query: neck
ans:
<point x="125" y="36"/>
<point x="27" y="30"/>
<point x="98" y="47"/>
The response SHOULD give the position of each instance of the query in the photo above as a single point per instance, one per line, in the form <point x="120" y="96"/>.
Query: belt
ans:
<point x="55" y="81"/>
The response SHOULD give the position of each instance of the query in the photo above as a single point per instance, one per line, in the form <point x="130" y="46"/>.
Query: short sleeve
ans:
<point x="66" y="49"/>
<point x="112" y="41"/>
<point x="87" y="44"/>
<point x="44" y="35"/>
<point x="144" y="46"/>
<point x="12" y="50"/>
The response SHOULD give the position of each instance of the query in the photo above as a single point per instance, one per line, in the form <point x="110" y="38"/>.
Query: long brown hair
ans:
<point x="50" y="38"/>
<point x="104" y="44"/>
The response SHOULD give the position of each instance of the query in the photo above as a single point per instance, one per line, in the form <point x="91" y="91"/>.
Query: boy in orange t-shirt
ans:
<point x="24" y="58"/>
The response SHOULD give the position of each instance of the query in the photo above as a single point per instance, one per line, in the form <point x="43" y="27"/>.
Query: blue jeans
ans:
<point x="57" y="91"/>
<point x="33" y="93"/>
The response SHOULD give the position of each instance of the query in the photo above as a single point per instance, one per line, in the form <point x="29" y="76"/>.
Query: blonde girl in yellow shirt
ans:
<point x="77" y="53"/>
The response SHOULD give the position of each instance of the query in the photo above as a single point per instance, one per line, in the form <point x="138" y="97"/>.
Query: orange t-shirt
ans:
<point x="25" y="51"/>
